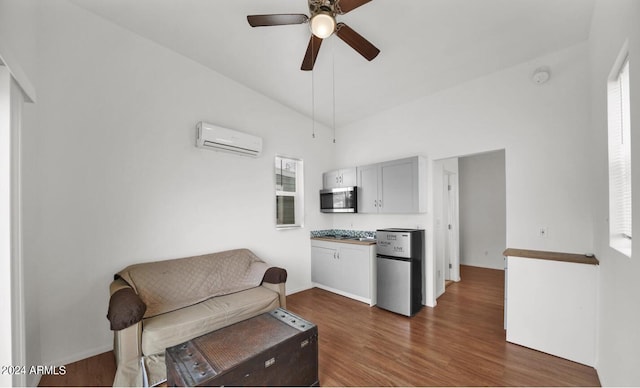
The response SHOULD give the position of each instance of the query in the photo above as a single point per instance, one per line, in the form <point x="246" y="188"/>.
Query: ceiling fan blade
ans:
<point x="357" y="42"/>
<point x="345" y="6"/>
<point x="277" y="19"/>
<point x="312" y="53"/>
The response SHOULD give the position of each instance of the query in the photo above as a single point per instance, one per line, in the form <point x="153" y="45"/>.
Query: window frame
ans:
<point x="619" y="155"/>
<point x="298" y="194"/>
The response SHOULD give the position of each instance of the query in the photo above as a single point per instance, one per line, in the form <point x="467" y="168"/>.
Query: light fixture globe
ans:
<point x="323" y="25"/>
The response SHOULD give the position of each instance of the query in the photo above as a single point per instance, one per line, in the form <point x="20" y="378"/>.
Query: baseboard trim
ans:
<point x="80" y="356"/>
<point x="343" y="293"/>
<point x="289" y="292"/>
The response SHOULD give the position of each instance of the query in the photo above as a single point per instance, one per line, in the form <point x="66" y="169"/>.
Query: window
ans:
<point x="619" y="116"/>
<point x="289" y="199"/>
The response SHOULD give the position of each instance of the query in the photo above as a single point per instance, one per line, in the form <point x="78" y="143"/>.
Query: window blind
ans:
<point x="619" y="129"/>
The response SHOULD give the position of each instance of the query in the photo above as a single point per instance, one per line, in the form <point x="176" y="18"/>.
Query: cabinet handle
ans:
<point x="380" y="203"/>
<point x="375" y="203"/>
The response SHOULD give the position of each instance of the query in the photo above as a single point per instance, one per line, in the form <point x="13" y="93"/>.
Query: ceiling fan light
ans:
<point x="323" y="25"/>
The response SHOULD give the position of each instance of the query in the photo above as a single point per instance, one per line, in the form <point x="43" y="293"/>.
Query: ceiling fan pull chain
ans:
<point x="333" y="76"/>
<point x="313" y="105"/>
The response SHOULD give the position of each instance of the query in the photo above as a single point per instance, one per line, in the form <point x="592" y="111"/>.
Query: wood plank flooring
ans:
<point x="461" y="342"/>
<point x="97" y="371"/>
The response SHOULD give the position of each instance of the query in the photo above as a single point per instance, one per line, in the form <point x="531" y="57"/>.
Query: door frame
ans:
<point x="13" y="99"/>
<point x="450" y="211"/>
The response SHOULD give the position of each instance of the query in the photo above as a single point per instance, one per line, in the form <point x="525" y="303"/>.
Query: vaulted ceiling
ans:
<point x="426" y="45"/>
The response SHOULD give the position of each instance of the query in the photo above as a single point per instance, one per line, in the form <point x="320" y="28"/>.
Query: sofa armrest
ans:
<point x="127" y="344"/>
<point x="125" y="306"/>
<point x="275" y="275"/>
<point x="126" y="340"/>
<point x="275" y="279"/>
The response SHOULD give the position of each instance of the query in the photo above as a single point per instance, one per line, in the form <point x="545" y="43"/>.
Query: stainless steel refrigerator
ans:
<point x="399" y="260"/>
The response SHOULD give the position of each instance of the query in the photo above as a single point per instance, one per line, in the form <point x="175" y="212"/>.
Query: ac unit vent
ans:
<point x="217" y="138"/>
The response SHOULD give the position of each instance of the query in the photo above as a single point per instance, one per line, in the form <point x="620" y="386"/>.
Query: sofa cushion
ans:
<point x="175" y="327"/>
<point x="169" y="285"/>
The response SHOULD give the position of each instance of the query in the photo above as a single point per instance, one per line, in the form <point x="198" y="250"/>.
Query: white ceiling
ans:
<point x="426" y="45"/>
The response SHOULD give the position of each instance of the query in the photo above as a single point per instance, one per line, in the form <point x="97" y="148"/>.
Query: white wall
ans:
<point x="115" y="179"/>
<point x="482" y="210"/>
<point x="542" y="128"/>
<point x="619" y="300"/>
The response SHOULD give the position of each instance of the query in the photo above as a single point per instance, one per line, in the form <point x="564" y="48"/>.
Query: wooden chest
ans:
<point x="273" y="349"/>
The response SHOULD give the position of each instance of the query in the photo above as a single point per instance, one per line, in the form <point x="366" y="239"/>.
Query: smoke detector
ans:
<point x="541" y="75"/>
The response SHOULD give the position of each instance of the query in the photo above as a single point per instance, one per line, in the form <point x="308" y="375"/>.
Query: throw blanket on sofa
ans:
<point x="172" y="284"/>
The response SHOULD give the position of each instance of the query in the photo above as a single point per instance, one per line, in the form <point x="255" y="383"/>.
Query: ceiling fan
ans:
<point x="323" y="25"/>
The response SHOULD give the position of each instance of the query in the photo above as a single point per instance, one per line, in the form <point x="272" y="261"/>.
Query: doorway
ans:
<point x="469" y="214"/>
<point x="483" y="213"/>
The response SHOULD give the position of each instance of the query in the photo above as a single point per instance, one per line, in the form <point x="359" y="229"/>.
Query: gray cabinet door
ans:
<point x="331" y="179"/>
<point x="348" y="177"/>
<point x="399" y="186"/>
<point x="324" y="263"/>
<point x="345" y="177"/>
<point x="355" y="263"/>
<point x="368" y="189"/>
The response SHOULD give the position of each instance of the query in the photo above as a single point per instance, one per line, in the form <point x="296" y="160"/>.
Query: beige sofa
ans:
<point x="161" y="304"/>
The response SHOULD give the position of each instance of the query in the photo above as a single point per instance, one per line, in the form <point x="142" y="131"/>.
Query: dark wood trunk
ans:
<point x="272" y="349"/>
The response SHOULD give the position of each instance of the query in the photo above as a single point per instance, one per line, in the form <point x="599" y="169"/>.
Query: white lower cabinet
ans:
<point x="345" y="269"/>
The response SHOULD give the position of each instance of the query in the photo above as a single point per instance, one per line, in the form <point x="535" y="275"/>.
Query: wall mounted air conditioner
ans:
<point x="217" y="138"/>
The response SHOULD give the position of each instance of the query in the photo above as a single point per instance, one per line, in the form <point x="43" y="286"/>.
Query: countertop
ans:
<point x="555" y="256"/>
<point x="345" y="240"/>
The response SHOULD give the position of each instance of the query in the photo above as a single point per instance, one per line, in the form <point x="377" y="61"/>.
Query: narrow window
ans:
<point x="289" y="199"/>
<point x="619" y="115"/>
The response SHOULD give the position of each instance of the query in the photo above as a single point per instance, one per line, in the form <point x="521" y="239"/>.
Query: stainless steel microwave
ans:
<point x="339" y="200"/>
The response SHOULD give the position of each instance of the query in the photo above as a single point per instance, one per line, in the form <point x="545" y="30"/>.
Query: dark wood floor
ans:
<point x="461" y="342"/>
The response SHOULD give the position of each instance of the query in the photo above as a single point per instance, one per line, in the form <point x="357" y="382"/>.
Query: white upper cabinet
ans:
<point x="397" y="186"/>
<point x="368" y="188"/>
<point x="345" y="177"/>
